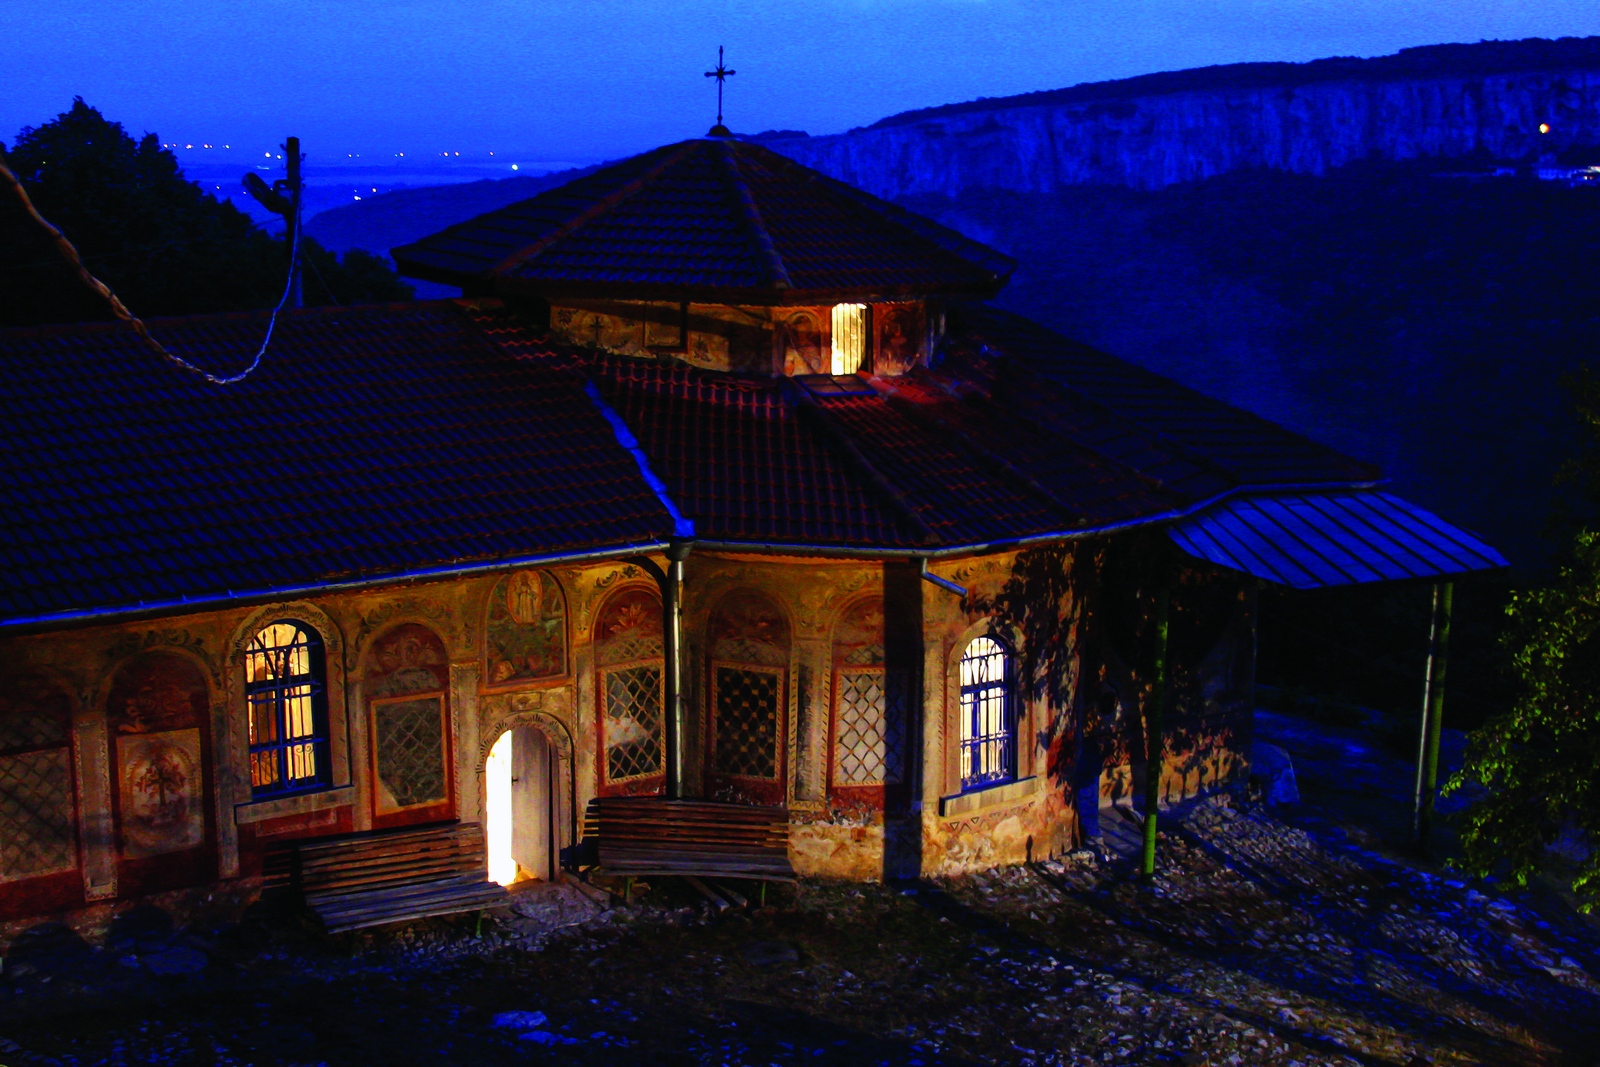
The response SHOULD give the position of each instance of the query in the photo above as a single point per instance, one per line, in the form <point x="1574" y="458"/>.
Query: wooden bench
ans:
<point x="654" y="836"/>
<point x="388" y="876"/>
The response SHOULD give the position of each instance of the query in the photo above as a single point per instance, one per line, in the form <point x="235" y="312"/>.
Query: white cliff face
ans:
<point x="1147" y="142"/>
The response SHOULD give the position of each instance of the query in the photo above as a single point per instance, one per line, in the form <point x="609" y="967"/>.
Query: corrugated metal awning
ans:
<point x="1312" y="540"/>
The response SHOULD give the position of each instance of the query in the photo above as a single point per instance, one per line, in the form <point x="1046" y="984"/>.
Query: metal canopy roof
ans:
<point x="1313" y="540"/>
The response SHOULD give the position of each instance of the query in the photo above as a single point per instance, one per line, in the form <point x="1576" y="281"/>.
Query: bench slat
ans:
<point x="651" y="835"/>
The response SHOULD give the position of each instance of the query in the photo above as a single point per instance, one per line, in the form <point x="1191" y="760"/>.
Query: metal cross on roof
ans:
<point x="722" y="74"/>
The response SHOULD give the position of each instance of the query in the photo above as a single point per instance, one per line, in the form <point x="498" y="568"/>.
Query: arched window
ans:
<point x="287" y="699"/>
<point x="988" y="722"/>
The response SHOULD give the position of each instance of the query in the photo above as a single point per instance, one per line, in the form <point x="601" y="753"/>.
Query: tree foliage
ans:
<point x="162" y="244"/>
<point x="1539" y="761"/>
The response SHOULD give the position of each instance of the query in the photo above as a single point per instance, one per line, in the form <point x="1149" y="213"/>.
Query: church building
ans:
<point x="720" y="480"/>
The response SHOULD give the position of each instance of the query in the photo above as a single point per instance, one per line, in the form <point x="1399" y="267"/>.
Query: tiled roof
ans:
<point x="371" y="441"/>
<point x="713" y="219"/>
<point x="993" y="445"/>
<point x="378" y="442"/>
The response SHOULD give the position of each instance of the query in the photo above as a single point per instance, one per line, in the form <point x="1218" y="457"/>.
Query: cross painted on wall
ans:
<point x="722" y="74"/>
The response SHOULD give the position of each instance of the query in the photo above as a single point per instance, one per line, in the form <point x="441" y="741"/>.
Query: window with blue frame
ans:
<point x="988" y="720"/>
<point x="287" y="702"/>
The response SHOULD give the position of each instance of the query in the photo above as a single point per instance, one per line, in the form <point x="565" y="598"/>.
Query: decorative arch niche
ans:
<point x="867" y="743"/>
<point x="158" y="713"/>
<point x="748" y="641"/>
<point x="526" y="630"/>
<point x="629" y="664"/>
<point x="406" y="683"/>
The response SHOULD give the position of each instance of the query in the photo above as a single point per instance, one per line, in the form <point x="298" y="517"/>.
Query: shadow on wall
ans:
<point x="1085" y="613"/>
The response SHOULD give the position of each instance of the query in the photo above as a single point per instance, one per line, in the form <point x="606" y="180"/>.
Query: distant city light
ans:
<point x="1544" y="127"/>
<point x="267" y="154"/>
<point x="188" y="146"/>
<point x="513" y="166"/>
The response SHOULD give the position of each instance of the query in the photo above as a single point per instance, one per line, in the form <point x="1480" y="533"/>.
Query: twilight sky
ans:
<point x="580" y="82"/>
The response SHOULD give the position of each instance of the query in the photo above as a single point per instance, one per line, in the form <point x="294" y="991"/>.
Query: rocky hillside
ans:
<point x="1160" y="129"/>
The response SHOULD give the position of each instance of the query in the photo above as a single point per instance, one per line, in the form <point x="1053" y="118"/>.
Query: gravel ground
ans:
<point x="1282" y="938"/>
<point x="1259" y="943"/>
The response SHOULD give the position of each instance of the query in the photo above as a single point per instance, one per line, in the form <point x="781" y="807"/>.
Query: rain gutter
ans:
<point x="188" y="604"/>
<point x="948" y="551"/>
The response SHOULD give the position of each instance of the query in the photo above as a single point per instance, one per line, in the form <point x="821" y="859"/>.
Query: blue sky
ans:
<point x="580" y="82"/>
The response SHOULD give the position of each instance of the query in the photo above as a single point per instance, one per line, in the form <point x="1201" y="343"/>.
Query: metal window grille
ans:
<point x="747" y="717"/>
<point x="988" y="727"/>
<point x="869" y="726"/>
<point x="287" y="703"/>
<point x="633" y="721"/>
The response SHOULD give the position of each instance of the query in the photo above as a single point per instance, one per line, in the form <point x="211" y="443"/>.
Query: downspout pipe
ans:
<point x="673" y="718"/>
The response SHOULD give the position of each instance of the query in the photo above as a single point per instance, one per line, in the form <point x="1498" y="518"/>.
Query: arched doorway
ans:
<point x="522" y="806"/>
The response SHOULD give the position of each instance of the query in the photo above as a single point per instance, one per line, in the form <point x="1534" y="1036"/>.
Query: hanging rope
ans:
<point x="75" y="261"/>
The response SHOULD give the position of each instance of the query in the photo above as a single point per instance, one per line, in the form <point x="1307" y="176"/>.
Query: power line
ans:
<point x="75" y="261"/>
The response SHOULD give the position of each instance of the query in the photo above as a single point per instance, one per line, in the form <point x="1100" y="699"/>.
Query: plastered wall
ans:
<point x="803" y="640"/>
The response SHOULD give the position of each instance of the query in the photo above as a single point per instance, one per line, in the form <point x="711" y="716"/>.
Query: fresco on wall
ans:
<point x="162" y="792"/>
<point x="37" y="812"/>
<point x="899" y="337"/>
<point x="408" y="659"/>
<point x="408" y="674"/>
<point x="628" y="653"/>
<point x="663" y="326"/>
<point x="527" y="629"/>
<point x="800" y="341"/>
<point x="157" y="710"/>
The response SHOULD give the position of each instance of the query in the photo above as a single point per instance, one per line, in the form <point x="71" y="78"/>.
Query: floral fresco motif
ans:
<point x="527" y="629"/>
<point x="409" y="659"/>
<point x="162" y="792"/>
<point x="157" y="692"/>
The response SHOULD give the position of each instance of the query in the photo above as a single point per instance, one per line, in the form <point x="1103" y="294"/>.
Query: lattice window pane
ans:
<point x="632" y="721"/>
<point x="411" y="750"/>
<point x="747" y="722"/>
<point x="869" y="738"/>
<point x="31" y="727"/>
<point x="36" y="833"/>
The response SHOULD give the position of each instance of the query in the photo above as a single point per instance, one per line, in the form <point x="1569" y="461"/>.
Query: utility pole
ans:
<point x="1154" y="741"/>
<point x="291" y="155"/>
<point x="1432" y="715"/>
<point x="272" y="198"/>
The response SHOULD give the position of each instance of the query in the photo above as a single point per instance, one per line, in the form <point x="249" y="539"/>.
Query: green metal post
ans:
<point x="1155" y="744"/>
<point x="1432" y="715"/>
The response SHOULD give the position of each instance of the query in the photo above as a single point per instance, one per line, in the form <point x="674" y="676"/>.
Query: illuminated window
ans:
<point x="988" y="726"/>
<point x="849" y="337"/>
<point x="287" y="703"/>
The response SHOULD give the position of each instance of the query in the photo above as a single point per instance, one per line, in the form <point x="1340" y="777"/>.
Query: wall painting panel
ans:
<point x="527" y="629"/>
<point x="158" y="712"/>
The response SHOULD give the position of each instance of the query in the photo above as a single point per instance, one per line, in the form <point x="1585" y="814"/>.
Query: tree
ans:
<point x="163" y="245"/>
<point x="1539" y="761"/>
